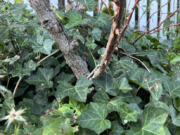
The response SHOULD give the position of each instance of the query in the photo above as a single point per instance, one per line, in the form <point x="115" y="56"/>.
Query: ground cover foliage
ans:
<point x="138" y="95"/>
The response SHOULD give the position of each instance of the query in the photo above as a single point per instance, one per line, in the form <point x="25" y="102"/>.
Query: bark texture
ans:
<point x="68" y="48"/>
<point x="113" y="39"/>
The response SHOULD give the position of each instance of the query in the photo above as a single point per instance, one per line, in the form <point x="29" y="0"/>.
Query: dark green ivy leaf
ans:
<point x="78" y="92"/>
<point x="94" y="118"/>
<point x="122" y="84"/>
<point x="96" y="34"/>
<point x="21" y="71"/>
<point x="42" y="79"/>
<point x="116" y="128"/>
<point x="173" y="88"/>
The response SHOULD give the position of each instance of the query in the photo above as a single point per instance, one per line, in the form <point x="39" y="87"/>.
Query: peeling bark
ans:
<point x="113" y="39"/>
<point x="68" y="48"/>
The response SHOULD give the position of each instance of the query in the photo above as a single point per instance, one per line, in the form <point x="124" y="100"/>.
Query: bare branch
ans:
<point x="156" y="28"/>
<point x="114" y="38"/>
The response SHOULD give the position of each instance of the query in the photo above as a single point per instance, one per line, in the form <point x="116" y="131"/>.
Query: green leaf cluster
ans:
<point x="139" y="94"/>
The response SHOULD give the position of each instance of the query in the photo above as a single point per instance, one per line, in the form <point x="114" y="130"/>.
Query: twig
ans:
<point x="156" y="12"/>
<point x="143" y="34"/>
<point x="171" y="25"/>
<point x="109" y="12"/>
<point x="127" y="23"/>
<point x="39" y="62"/>
<point x="137" y="60"/>
<point x="17" y="84"/>
<point x="43" y="59"/>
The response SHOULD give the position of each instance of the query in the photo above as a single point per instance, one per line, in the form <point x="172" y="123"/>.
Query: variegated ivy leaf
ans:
<point x="127" y="112"/>
<point x="153" y="122"/>
<point x="149" y="81"/>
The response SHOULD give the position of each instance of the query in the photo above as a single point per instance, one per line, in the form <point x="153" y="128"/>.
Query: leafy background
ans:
<point x="130" y="98"/>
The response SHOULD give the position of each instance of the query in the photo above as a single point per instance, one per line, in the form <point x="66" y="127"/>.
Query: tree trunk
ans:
<point x="50" y="22"/>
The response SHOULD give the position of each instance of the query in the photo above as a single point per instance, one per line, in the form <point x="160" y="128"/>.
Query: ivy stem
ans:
<point x="92" y="56"/>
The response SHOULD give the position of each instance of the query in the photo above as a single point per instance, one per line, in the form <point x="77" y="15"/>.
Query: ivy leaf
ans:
<point x="47" y="46"/>
<point x="85" y="131"/>
<point x="96" y="34"/>
<point x="42" y="79"/>
<point x="123" y="85"/>
<point x="21" y="70"/>
<point x="153" y="121"/>
<point x="73" y="107"/>
<point x="12" y="60"/>
<point x="149" y="81"/>
<point x="57" y="126"/>
<point x="114" y="104"/>
<point x="42" y="43"/>
<point x="156" y="58"/>
<point x="75" y="19"/>
<point x="175" y="60"/>
<point x="129" y="112"/>
<point x="105" y="82"/>
<point x="94" y="118"/>
<point x="175" y="118"/>
<point x="116" y="128"/>
<point x="123" y="66"/>
<point x="103" y="21"/>
<point x="78" y="92"/>
<point x="3" y="89"/>
<point x="90" y="43"/>
<point x="101" y="97"/>
<point x="89" y="4"/>
<point x="173" y="87"/>
<point x="29" y="67"/>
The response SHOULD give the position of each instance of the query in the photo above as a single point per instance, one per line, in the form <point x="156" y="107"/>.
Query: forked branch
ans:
<point x="114" y="38"/>
<point x="67" y="47"/>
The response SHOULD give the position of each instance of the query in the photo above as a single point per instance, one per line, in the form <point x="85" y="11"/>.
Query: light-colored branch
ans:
<point x="109" y="12"/>
<point x="114" y="38"/>
<point x="16" y="87"/>
<point x="128" y="55"/>
<point x="43" y="59"/>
